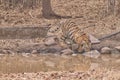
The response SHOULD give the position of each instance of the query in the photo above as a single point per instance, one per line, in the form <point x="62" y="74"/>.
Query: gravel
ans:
<point x="65" y="75"/>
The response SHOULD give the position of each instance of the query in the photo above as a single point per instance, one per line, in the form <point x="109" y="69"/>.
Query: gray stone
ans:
<point x="118" y="48"/>
<point x="8" y="52"/>
<point x="11" y="52"/>
<point x="50" y="41"/>
<point x="57" y="54"/>
<point x="74" y="54"/>
<point x="26" y="54"/>
<point x="2" y="54"/>
<point x="74" y="46"/>
<point x="56" y="47"/>
<point x="50" y="50"/>
<point x="105" y="50"/>
<point x="93" y="54"/>
<point x="4" y="51"/>
<point x="34" y="52"/>
<point x="67" y="52"/>
<point x="93" y="39"/>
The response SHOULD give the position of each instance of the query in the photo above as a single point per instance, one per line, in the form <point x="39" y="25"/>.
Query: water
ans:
<point x="37" y="63"/>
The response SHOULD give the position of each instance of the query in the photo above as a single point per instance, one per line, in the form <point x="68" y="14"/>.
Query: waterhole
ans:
<point x="36" y="63"/>
<point x="45" y="60"/>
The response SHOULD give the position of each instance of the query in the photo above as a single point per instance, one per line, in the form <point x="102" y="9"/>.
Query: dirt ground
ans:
<point x="62" y="75"/>
<point x="56" y="67"/>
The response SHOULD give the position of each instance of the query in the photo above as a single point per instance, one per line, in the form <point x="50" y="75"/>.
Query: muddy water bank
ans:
<point x="42" y="62"/>
<point x="20" y="63"/>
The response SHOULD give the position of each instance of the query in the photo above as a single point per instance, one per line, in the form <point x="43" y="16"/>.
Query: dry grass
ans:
<point x="20" y="3"/>
<point x="91" y="8"/>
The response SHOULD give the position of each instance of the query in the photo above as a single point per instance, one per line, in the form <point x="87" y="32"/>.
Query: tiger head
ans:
<point x="85" y="44"/>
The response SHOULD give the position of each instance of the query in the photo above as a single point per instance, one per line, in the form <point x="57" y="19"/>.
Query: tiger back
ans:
<point x="69" y="30"/>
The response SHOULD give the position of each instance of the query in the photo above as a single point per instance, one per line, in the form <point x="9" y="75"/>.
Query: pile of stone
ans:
<point x="50" y="45"/>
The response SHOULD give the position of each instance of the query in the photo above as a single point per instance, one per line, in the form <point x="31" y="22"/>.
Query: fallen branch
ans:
<point x="109" y="35"/>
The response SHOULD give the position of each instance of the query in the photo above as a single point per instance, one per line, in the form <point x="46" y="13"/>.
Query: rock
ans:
<point x="74" y="46"/>
<point x="2" y="54"/>
<point x="25" y="54"/>
<point x="56" y="47"/>
<point x="5" y="51"/>
<point x="57" y="54"/>
<point x="50" y="41"/>
<point x="105" y="50"/>
<point x="93" y="54"/>
<point x="49" y="50"/>
<point x="34" y="52"/>
<point x="74" y="54"/>
<point x="38" y="46"/>
<point x="118" y="48"/>
<point x="93" y="39"/>
<point x="8" y="52"/>
<point x="12" y="53"/>
<point x="66" y="52"/>
<point x="115" y="53"/>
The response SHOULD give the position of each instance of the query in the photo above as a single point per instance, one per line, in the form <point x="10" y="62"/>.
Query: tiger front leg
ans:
<point x="80" y="48"/>
<point x="62" y="41"/>
<point x="87" y="47"/>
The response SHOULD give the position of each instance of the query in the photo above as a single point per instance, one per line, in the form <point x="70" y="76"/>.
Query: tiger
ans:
<point x="69" y="30"/>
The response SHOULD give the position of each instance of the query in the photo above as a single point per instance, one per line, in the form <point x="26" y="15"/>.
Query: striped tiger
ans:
<point x="69" y="30"/>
